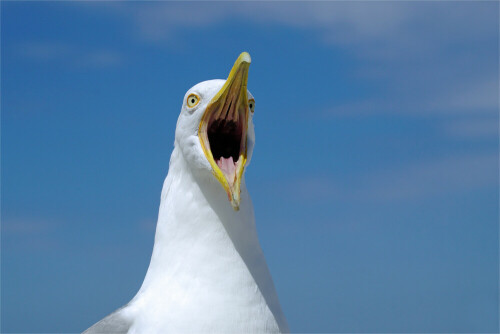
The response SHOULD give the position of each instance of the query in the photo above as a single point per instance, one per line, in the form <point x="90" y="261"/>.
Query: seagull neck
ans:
<point x="202" y="242"/>
<point x="197" y="220"/>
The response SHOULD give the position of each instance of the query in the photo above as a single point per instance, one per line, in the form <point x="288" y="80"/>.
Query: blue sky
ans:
<point x="374" y="177"/>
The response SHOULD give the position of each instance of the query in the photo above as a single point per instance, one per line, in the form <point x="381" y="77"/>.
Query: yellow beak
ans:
<point x="223" y="130"/>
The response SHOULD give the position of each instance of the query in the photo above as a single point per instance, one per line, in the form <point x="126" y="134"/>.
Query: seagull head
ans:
<point x="215" y="130"/>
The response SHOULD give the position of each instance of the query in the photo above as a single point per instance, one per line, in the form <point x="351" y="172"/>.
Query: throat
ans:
<point x="224" y="137"/>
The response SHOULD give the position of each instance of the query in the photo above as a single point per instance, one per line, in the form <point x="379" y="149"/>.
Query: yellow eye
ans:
<point x="251" y="105"/>
<point x="192" y="100"/>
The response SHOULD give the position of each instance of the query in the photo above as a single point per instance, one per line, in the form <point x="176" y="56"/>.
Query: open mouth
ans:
<point x="223" y="130"/>
<point x="225" y="139"/>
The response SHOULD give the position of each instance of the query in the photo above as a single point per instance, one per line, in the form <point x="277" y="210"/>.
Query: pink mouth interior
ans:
<point x="228" y="167"/>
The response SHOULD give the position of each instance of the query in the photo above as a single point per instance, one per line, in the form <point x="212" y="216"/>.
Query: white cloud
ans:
<point x="430" y="179"/>
<point x="374" y="27"/>
<point x="474" y="128"/>
<point x="44" y="51"/>
<point x="427" y="57"/>
<point x="25" y="226"/>
<point x="457" y="98"/>
<point x="69" y="54"/>
<point x="440" y="177"/>
<point x="480" y="97"/>
<point x="99" y="59"/>
<point x="424" y="58"/>
<point x="28" y="234"/>
<point x="148" y="225"/>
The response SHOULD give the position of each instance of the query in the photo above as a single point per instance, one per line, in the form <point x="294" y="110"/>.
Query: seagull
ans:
<point x="207" y="272"/>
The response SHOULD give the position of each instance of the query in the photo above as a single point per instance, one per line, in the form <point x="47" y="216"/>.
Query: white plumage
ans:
<point x="207" y="270"/>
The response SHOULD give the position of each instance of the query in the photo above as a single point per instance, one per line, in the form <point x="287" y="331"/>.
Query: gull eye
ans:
<point x="251" y="105"/>
<point x="192" y="100"/>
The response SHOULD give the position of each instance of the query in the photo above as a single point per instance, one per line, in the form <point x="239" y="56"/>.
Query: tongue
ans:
<point x="228" y="167"/>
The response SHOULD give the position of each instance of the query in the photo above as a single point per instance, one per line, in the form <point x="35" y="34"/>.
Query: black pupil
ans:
<point x="192" y="100"/>
<point x="250" y="106"/>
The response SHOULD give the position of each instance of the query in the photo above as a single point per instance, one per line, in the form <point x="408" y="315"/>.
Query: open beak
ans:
<point x="223" y="130"/>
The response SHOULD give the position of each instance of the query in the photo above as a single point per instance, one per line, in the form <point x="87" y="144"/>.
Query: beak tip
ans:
<point x="235" y="203"/>
<point x="236" y="206"/>
<point x="245" y="57"/>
